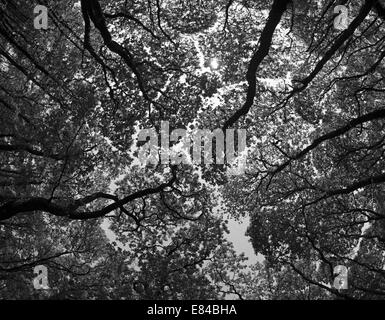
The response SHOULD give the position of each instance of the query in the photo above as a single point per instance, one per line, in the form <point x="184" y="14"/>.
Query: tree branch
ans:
<point x="275" y="15"/>
<point x="378" y="114"/>
<point x="14" y="207"/>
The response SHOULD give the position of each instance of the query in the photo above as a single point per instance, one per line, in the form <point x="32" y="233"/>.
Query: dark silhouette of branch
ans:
<point x="92" y="11"/>
<point x="275" y="15"/>
<point x="345" y="35"/>
<point x="14" y="207"/>
<point x="358" y="185"/>
<point x="378" y="114"/>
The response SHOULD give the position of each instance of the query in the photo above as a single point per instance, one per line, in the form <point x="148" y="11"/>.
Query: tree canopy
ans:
<point x="74" y="198"/>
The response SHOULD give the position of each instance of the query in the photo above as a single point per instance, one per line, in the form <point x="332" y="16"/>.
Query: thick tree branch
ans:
<point x="378" y="114"/>
<point x="14" y="207"/>
<point x="345" y="35"/>
<point x="275" y="15"/>
<point x="92" y="11"/>
<point x="358" y="185"/>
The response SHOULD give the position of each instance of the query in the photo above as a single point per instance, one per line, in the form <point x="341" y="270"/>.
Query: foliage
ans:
<point x="74" y="198"/>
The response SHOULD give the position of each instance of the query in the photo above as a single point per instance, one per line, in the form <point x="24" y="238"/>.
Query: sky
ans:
<point x="237" y="229"/>
<point x="241" y="241"/>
